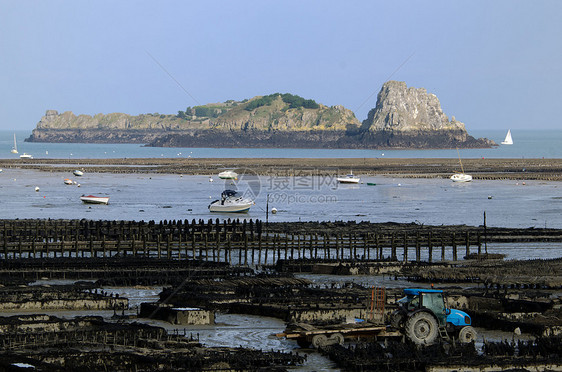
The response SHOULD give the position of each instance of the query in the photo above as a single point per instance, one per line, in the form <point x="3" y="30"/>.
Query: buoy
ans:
<point x="489" y="196"/>
<point x="36" y="188"/>
<point x="273" y="210"/>
<point x="211" y="179"/>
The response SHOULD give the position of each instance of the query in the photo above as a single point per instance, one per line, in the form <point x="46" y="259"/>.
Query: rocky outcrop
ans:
<point x="403" y="118"/>
<point x="400" y="109"/>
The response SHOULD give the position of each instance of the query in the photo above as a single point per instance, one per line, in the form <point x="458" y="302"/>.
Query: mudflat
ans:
<point x="517" y="169"/>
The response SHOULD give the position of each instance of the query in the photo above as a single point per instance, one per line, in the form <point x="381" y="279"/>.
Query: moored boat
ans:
<point x="68" y="181"/>
<point x="228" y="175"/>
<point x="26" y="156"/>
<point x="231" y="202"/>
<point x="350" y="178"/>
<point x="461" y="176"/>
<point x="78" y="173"/>
<point x="92" y="199"/>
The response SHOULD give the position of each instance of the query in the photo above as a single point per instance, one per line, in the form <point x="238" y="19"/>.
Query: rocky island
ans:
<point x="402" y="118"/>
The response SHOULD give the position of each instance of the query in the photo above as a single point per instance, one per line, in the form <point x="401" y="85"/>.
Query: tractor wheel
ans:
<point x="422" y="328"/>
<point x="336" y="339"/>
<point x="467" y="334"/>
<point x="319" y="341"/>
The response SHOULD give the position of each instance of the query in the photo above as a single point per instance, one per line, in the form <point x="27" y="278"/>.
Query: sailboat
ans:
<point x="461" y="177"/>
<point x="15" y="148"/>
<point x="508" y="140"/>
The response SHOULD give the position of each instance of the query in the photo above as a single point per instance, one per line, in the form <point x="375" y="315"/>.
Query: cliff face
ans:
<point x="403" y="118"/>
<point x="406" y="111"/>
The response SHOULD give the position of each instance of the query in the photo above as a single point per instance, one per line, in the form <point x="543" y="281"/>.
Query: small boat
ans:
<point x="26" y="156"/>
<point x="228" y="175"/>
<point x="15" y="148"/>
<point x="508" y="140"/>
<point x="67" y="181"/>
<point x="371" y="184"/>
<point x="78" y="173"/>
<point x="92" y="199"/>
<point x="350" y="178"/>
<point x="461" y="177"/>
<point x="231" y="202"/>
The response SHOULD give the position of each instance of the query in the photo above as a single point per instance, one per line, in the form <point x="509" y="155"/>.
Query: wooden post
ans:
<point x="158" y="246"/>
<point x="246" y="250"/>
<point x="418" y="247"/>
<point x="442" y="248"/>
<point x="405" y="247"/>
<point x="454" y="247"/>
<point x="393" y="248"/>
<point x="429" y="247"/>
<point x="467" y="244"/>
<point x="479" y="238"/>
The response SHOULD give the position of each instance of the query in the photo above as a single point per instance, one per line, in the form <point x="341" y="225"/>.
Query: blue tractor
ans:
<point x="423" y="317"/>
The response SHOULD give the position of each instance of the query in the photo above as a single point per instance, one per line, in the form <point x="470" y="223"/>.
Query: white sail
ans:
<point x="508" y="140"/>
<point x="15" y="148"/>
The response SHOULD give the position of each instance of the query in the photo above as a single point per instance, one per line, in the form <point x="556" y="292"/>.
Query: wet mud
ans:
<point x="215" y="266"/>
<point x="486" y="169"/>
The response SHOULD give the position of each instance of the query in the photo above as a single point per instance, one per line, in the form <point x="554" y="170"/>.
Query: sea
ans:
<point x="30" y="194"/>
<point x="527" y="144"/>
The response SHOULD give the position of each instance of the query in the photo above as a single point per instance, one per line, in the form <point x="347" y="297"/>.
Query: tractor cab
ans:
<point x="429" y="299"/>
<point x="423" y="316"/>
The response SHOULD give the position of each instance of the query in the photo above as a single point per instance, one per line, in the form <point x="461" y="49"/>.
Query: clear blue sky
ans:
<point x="492" y="64"/>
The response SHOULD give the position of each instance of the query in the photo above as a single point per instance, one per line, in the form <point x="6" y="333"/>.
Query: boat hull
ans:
<point x="91" y="199"/>
<point x="230" y="208"/>
<point x="461" y="177"/>
<point x="348" y="180"/>
<point x="228" y="175"/>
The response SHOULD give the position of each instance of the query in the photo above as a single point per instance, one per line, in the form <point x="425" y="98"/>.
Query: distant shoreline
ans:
<point x="480" y="169"/>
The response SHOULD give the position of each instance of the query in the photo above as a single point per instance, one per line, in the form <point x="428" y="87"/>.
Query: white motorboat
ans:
<point x="508" y="140"/>
<point x="15" y="148"/>
<point x="461" y="176"/>
<point x="78" y="173"/>
<point x="68" y="181"/>
<point x="231" y="202"/>
<point x="350" y="178"/>
<point x="92" y="199"/>
<point x="26" y="156"/>
<point x="228" y="175"/>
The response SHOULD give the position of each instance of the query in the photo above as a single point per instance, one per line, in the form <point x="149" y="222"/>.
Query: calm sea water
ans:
<point x="527" y="144"/>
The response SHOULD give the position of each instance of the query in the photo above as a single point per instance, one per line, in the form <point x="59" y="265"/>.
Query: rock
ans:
<point x="403" y="118"/>
<point x="412" y="117"/>
<point x="403" y="109"/>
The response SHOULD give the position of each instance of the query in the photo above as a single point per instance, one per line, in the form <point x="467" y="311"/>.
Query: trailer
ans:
<point x="320" y="336"/>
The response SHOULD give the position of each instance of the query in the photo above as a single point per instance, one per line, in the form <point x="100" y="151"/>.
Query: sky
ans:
<point x="492" y="64"/>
